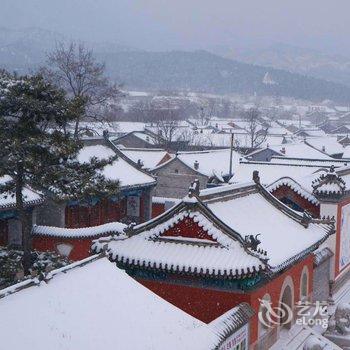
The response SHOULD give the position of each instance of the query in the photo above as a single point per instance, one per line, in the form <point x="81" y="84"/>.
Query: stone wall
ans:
<point x="174" y="179"/>
<point x="321" y="281"/>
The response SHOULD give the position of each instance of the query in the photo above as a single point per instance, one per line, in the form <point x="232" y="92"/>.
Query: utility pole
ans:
<point x="231" y="155"/>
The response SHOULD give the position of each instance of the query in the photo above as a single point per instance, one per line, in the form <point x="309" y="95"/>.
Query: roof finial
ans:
<point x="194" y="188"/>
<point x="256" y="177"/>
<point x="252" y="241"/>
<point x="129" y="230"/>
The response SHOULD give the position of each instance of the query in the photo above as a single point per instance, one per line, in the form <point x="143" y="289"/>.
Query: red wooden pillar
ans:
<point x="3" y="233"/>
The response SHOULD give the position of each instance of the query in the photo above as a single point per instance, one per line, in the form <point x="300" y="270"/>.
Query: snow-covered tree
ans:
<point x="36" y="151"/>
<point x="257" y="132"/>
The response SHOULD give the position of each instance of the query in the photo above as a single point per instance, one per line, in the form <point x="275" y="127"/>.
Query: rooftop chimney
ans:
<point x="196" y="165"/>
<point x="323" y="148"/>
<point x="283" y="150"/>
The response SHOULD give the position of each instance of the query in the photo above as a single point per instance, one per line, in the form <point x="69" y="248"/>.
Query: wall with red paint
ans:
<point x="189" y="229"/>
<point x="81" y="246"/>
<point x="286" y="191"/>
<point x="274" y="289"/>
<point x="3" y="233"/>
<point x="207" y="304"/>
<point x="157" y="209"/>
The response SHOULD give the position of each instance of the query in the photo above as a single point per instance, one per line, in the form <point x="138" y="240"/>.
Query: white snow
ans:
<point x="210" y="163"/>
<point x="9" y="200"/>
<point x="97" y="306"/>
<point x="120" y="169"/>
<point x="281" y="237"/>
<point x="301" y="150"/>
<point x="217" y="259"/>
<point x="109" y="228"/>
<point x="149" y="157"/>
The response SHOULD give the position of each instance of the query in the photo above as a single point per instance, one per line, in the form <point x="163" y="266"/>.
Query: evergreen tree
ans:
<point x="37" y="151"/>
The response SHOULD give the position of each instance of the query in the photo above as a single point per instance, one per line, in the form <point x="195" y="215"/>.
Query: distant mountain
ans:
<point x="23" y="50"/>
<point x="297" y="60"/>
<point x="201" y="71"/>
<point x="205" y="72"/>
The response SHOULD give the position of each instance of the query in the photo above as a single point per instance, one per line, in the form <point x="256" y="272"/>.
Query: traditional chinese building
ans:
<point x="10" y="226"/>
<point x="69" y="226"/>
<point x="132" y="202"/>
<point x="223" y="246"/>
<point x="295" y="195"/>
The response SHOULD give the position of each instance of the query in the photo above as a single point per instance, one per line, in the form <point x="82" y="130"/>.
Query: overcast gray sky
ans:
<point x="189" y="24"/>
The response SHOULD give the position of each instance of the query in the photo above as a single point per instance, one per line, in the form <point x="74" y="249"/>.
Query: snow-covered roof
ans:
<point x="227" y="215"/>
<point x="282" y="237"/>
<point x="346" y="152"/>
<point x="145" y="137"/>
<point x="210" y="163"/>
<point x="327" y="144"/>
<point x="304" y="338"/>
<point x="8" y="201"/>
<point x="295" y="186"/>
<point x="122" y="170"/>
<point x="149" y="157"/>
<point x="329" y="184"/>
<point x="318" y="163"/>
<point x="96" y="305"/>
<point x="269" y="172"/>
<point x="126" y="127"/>
<point x="300" y="150"/>
<point x="163" y="200"/>
<point x="116" y="228"/>
<point x="97" y="293"/>
<point x="150" y="248"/>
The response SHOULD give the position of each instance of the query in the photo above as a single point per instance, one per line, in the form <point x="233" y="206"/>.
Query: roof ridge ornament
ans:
<point x="307" y="218"/>
<point x="329" y="185"/>
<point x="256" y="177"/>
<point x="129" y="230"/>
<point x="193" y="190"/>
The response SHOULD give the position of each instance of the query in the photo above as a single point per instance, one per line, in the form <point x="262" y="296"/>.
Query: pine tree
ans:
<point x="37" y="151"/>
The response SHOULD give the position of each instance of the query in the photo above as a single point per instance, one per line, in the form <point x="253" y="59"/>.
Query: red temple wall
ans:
<point x="3" y="233"/>
<point x="103" y="212"/>
<point x="157" y="209"/>
<point x="189" y="229"/>
<point x="207" y="304"/>
<point x="81" y="246"/>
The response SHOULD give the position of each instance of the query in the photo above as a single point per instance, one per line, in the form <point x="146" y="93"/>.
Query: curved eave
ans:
<point x="94" y="236"/>
<point x="26" y="204"/>
<point x="197" y="272"/>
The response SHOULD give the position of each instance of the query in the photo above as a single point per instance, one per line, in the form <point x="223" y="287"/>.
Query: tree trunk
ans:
<point x="24" y="220"/>
<point x="76" y="129"/>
